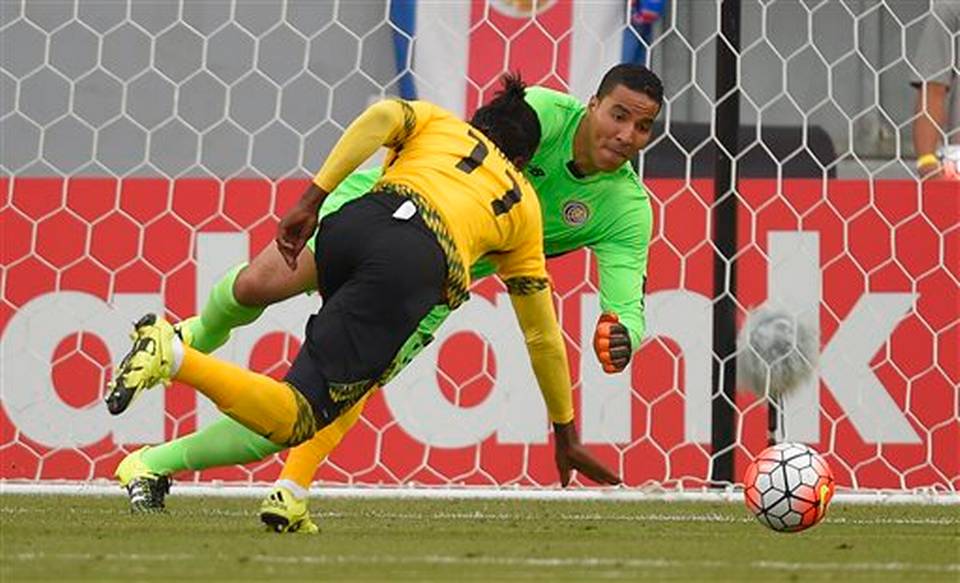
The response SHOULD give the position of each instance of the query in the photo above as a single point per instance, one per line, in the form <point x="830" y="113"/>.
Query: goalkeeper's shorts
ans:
<point x="380" y="270"/>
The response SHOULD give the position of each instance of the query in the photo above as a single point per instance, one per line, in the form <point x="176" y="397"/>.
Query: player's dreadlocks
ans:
<point x="509" y="121"/>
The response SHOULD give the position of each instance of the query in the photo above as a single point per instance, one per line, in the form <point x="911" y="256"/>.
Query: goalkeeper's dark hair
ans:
<point x="509" y="121"/>
<point x="634" y="77"/>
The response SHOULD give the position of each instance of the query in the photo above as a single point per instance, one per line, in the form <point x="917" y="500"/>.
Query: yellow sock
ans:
<point x="271" y="408"/>
<point x="302" y="463"/>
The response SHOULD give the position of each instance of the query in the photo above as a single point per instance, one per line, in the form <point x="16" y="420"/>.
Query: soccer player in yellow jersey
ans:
<point x="450" y="194"/>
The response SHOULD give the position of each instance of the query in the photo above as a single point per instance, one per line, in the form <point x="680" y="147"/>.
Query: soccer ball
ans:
<point x="788" y="487"/>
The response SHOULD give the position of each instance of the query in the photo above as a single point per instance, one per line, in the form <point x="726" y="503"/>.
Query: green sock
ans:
<point x="221" y="314"/>
<point x="222" y="443"/>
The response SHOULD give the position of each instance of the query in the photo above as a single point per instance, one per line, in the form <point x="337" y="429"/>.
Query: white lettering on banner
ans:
<point x="604" y="404"/>
<point x="27" y="348"/>
<point x="794" y="285"/>
<point x="682" y="316"/>
<point x="687" y="318"/>
<point x="794" y="279"/>
<point x="514" y="408"/>
<point x="845" y="368"/>
<point x="217" y="253"/>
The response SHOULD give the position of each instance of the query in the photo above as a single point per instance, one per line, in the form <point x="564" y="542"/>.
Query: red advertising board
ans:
<point x="880" y="259"/>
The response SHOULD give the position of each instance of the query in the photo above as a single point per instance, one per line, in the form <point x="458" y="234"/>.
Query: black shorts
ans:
<point x="379" y="276"/>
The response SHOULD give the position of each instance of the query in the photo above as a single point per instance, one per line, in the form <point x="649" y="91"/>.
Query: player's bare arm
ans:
<point x="299" y="223"/>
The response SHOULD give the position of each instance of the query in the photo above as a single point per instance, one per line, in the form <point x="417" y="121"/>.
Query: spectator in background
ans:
<point x="937" y="65"/>
<point x="638" y="34"/>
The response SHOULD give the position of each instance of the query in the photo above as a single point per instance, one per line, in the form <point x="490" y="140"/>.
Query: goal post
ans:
<point x="724" y="220"/>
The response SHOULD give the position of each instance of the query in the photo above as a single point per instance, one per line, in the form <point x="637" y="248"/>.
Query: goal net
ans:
<point x="148" y="146"/>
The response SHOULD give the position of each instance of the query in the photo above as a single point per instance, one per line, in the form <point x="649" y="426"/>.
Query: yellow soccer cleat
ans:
<point x="148" y="363"/>
<point x="145" y="489"/>
<point x="282" y="512"/>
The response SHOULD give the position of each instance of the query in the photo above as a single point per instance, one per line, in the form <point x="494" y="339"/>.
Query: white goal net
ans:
<point x="148" y="146"/>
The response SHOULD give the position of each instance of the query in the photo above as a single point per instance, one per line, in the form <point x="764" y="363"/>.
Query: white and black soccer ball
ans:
<point x="788" y="487"/>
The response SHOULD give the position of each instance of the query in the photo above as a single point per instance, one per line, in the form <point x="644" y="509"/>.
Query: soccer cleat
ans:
<point x="148" y="363"/>
<point x="282" y="512"/>
<point x="145" y="489"/>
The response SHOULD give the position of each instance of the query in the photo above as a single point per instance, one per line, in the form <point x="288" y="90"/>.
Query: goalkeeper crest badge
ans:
<point x="575" y="213"/>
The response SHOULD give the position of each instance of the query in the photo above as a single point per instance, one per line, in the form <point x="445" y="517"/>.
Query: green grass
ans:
<point x="91" y="538"/>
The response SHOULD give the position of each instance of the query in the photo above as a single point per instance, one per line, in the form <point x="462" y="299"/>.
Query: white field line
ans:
<point x="502" y="517"/>
<point x="105" y="488"/>
<point x="501" y="561"/>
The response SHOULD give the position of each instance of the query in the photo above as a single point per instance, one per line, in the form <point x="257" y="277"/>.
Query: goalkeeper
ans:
<point x="590" y="197"/>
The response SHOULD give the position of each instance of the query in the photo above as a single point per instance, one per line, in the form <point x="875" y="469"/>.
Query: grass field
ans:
<point x="95" y="538"/>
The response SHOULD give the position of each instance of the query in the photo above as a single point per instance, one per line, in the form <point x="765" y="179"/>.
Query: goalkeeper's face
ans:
<point x="619" y="126"/>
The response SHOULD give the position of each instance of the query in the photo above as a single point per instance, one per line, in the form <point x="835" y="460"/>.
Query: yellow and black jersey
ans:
<point x="478" y="205"/>
<point x="469" y="194"/>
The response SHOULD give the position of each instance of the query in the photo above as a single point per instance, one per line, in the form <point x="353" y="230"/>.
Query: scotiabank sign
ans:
<point x="875" y="265"/>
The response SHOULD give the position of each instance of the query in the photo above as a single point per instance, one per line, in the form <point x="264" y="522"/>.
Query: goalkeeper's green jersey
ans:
<point x="607" y="212"/>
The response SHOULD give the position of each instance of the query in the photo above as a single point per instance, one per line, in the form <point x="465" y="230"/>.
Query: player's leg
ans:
<point x="291" y="490"/>
<point x="374" y="298"/>
<point x="380" y="275"/>
<point x="221" y="443"/>
<point x="269" y="407"/>
<point x="303" y="460"/>
<point x="240" y="296"/>
<point x="286" y="505"/>
<point x="145" y="473"/>
<point x="236" y="299"/>
<point x="404" y="262"/>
